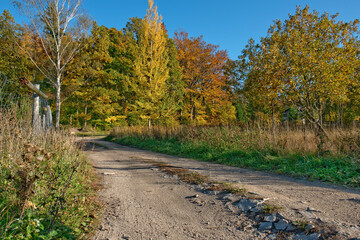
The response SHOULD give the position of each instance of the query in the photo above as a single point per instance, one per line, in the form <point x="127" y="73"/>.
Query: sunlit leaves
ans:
<point x="206" y="99"/>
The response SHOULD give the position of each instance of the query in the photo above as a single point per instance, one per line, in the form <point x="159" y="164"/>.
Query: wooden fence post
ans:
<point x="47" y="120"/>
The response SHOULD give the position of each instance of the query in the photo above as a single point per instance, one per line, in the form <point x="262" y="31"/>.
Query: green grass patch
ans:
<point x="334" y="169"/>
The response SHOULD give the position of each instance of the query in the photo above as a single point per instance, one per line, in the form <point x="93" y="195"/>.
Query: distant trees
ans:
<point x="138" y="76"/>
<point x="306" y="67"/>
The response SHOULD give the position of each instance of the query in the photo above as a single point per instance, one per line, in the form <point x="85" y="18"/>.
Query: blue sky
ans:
<point x="227" y="23"/>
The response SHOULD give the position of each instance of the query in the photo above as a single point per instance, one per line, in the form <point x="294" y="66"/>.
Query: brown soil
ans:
<point x="142" y="202"/>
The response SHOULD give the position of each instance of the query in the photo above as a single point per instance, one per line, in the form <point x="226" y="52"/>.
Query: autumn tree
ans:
<point x="206" y="99"/>
<point x="261" y="82"/>
<point x="175" y="86"/>
<point x="150" y="68"/>
<point x="60" y="26"/>
<point x="13" y="62"/>
<point x="97" y="75"/>
<point x="309" y="61"/>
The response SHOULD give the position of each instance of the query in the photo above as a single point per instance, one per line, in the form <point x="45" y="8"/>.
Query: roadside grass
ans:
<point x="254" y="150"/>
<point x="46" y="183"/>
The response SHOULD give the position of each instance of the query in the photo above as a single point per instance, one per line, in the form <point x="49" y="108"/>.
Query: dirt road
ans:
<point x="142" y="202"/>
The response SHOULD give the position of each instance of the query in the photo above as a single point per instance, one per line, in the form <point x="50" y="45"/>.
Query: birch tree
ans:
<point x="61" y="27"/>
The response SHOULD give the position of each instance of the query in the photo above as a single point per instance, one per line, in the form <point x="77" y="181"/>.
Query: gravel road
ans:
<point x="142" y="202"/>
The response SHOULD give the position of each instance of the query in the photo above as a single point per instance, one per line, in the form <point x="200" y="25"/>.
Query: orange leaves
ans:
<point x="203" y="71"/>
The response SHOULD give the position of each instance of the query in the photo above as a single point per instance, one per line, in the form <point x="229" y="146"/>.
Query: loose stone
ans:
<point x="265" y="226"/>
<point x="246" y="204"/>
<point x="281" y="225"/>
<point x="302" y="236"/>
<point x="270" y="218"/>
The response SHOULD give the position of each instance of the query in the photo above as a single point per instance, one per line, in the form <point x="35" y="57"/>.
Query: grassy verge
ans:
<point x="46" y="184"/>
<point x="220" y="148"/>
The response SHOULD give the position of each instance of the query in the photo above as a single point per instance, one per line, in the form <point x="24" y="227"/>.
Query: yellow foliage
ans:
<point x="113" y="119"/>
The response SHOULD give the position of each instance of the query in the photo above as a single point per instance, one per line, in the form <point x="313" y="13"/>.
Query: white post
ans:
<point x="36" y="121"/>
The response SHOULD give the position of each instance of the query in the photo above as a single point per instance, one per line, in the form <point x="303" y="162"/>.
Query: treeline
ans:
<point x="304" y="71"/>
<point x="140" y="76"/>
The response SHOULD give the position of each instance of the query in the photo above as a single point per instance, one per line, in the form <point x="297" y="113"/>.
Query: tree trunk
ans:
<point x="48" y="115"/>
<point x="85" y="120"/>
<point x="320" y="131"/>
<point x="192" y="112"/>
<point x="322" y="135"/>
<point x="273" y="122"/>
<point x="341" y="116"/>
<point x="36" y="121"/>
<point x="58" y="105"/>
<point x="149" y="123"/>
<point x="304" y="129"/>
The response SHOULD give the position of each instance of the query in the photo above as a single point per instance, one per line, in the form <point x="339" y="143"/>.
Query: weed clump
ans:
<point x="270" y="208"/>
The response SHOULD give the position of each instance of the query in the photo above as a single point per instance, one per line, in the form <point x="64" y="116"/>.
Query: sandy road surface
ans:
<point x="143" y="203"/>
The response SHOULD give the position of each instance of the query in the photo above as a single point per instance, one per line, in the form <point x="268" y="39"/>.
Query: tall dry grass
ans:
<point x="284" y="141"/>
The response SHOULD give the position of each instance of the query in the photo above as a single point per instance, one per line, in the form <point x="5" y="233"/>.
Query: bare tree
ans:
<point x="61" y="27"/>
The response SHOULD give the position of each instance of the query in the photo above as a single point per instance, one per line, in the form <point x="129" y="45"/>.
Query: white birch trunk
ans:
<point x="58" y="104"/>
<point x="36" y="121"/>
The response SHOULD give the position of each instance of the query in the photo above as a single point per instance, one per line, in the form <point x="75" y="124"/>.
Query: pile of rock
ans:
<point x="271" y="223"/>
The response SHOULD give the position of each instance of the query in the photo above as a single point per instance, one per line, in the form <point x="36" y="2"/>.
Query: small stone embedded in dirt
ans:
<point x="256" y="209"/>
<point x="109" y="173"/>
<point x="230" y="197"/>
<point x="247" y="204"/>
<point x="270" y="218"/>
<point x="265" y="226"/>
<point x="197" y="201"/>
<point x="125" y="237"/>
<point x="246" y="225"/>
<point x="290" y="228"/>
<point x="193" y="196"/>
<point x="272" y="237"/>
<point x="257" y="218"/>
<point x="231" y="207"/>
<point x="302" y="236"/>
<point x="308" y="215"/>
<point x="213" y="192"/>
<point x="281" y="225"/>
<point x="309" y="227"/>
<point x="310" y="209"/>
